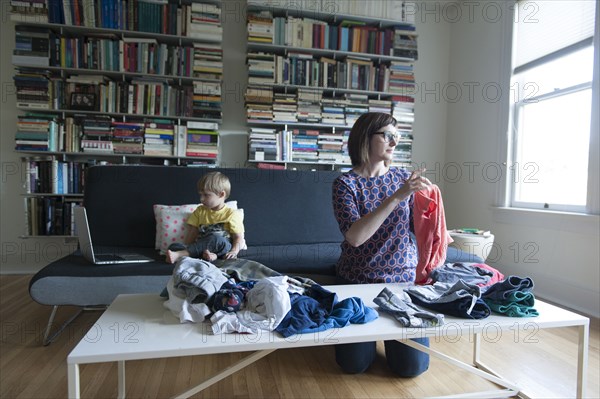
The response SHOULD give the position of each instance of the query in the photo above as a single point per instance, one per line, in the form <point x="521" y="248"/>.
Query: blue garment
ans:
<point x="306" y="313"/>
<point x="512" y="297"/>
<point x="503" y="289"/>
<point x="309" y="315"/>
<point x="459" y="300"/>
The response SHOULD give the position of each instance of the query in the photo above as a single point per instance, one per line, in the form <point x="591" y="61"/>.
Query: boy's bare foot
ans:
<point x="209" y="256"/>
<point x="172" y="256"/>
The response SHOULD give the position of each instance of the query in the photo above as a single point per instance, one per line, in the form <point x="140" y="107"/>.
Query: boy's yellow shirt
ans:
<point x="230" y="218"/>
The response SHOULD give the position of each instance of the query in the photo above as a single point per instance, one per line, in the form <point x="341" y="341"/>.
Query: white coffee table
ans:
<point x="136" y="327"/>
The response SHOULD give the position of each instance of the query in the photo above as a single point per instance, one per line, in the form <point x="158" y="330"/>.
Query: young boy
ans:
<point x="217" y="231"/>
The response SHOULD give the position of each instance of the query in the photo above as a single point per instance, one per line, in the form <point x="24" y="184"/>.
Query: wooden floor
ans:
<point x="541" y="362"/>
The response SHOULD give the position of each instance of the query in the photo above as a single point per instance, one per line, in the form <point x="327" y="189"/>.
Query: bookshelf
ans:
<point x="111" y="82"/>
<point x="313" y="71"/>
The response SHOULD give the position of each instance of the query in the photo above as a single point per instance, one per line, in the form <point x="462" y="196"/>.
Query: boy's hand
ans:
<point x="230" y="255"/>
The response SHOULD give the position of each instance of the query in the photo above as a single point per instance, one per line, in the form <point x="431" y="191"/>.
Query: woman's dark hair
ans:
<point x="360" y="135"/>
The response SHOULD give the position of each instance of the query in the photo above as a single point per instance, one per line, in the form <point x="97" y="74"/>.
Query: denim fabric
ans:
<point x="402" y="360"/>
<point x="215" y="243"/>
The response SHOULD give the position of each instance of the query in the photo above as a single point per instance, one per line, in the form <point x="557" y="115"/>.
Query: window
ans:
<point x="552" y="134"/>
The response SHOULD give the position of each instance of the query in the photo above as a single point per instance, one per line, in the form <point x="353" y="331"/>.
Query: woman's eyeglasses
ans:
<point x="389" y="136"/>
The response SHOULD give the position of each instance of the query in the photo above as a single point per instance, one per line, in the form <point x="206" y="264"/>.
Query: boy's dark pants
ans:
<point x="215" y="243"/>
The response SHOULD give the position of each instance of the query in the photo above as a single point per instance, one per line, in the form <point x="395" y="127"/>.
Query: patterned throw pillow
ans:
<point x="171" y="223"/>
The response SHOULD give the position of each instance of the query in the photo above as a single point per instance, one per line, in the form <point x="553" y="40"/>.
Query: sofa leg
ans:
<point x="48" y="339"/>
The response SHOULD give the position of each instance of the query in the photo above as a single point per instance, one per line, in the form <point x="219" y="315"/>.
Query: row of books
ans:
<point x="50" y="215"/>
<point x="298" y="145"/>
<point x="263" y="104"/>
<point x="125" y="55"/>
<point x="399" y="10"/>
<point x="197" y="20"/>
<point x="47" y="175"/>
<point x="313" y="146"/>
<point x="349" y="73"/>
<point x="104" y="135"/>
<point x="346" y="35"/>
<point x="37" y="89"/>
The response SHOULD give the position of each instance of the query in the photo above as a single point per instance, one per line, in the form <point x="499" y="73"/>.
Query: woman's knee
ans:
<point x="406" y="361"/>
<point x="355" y="358"/>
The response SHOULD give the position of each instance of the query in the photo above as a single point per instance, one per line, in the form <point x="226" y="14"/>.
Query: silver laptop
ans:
<point x="87" y="249"/>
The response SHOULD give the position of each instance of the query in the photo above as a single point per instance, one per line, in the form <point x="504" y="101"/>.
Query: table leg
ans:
<point x="582" y="359"/>
<point x="121" y="373"/>
<point x="476" y="348"/>
<point x="226" y="372"/>
<point x="510" y="388"/>
<point x="73" y="379"/>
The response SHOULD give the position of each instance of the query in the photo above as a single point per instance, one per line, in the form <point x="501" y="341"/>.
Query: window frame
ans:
<point x="518" y="101"/>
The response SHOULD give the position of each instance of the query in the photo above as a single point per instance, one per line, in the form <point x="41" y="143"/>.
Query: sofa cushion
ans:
<point x="171" y="222"/>
<point x="165" y="216"/>
<point x="72" y="280"/>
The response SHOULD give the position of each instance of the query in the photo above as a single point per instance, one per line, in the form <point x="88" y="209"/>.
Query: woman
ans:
<point x="372" y="204"/>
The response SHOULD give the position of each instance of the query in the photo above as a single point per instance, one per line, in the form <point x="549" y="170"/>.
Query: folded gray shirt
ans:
<point x="407" y="313"/>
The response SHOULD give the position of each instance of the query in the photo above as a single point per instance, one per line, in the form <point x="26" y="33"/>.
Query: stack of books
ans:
<point x="31" y="46"/>
<point x="208" y="61"/>
<point x="403" y="108"/>
<point x="384" y="106"/>
<point x="309" y="105"/>
<point x="331" y="147"/>
<point x="355" y="106"/>
<point x="260" y="27"/>
<point x="97" y="135"/>
<point x="305" y="146"/>
<point x="202" y="140"/>
<point x="128" y="137"/>
<point x="285" y="108"/>
<point x="259" y="104"/>
<point x="405" y="42"/>
<point x="29" y="10"/>
<point x="205" y="22"/>
<point x="402" y="78"/>
<point x="333" y="110"/>
<point x="265" y="144"/>
<point x="261" y="68"/>
<point x="32" y="88"/>
<point x="36" y="132"/>
<point x="207" y="100"/>
<point x="158" y="137"/>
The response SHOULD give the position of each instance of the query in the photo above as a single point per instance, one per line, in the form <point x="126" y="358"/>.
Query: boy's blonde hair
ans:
<point x="215" y="182"/>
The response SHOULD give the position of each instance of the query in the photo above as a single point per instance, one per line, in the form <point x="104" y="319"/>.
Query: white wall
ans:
<point x="560" y="252"/>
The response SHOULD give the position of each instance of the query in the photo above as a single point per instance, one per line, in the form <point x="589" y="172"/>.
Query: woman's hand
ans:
<point x="415" y="182"/>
